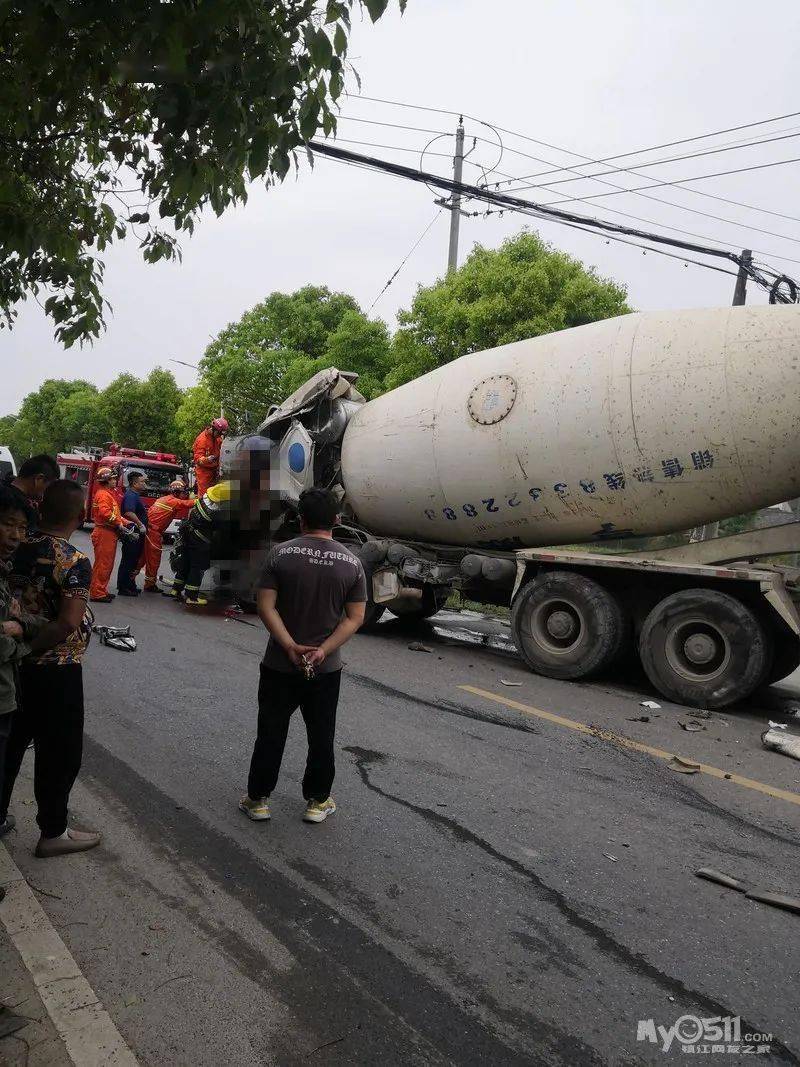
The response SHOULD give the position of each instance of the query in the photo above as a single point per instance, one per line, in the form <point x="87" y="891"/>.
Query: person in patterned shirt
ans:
<point x="51" y="575"/>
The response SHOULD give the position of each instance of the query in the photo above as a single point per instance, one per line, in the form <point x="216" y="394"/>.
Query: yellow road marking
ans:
<point x="637" y="746"/>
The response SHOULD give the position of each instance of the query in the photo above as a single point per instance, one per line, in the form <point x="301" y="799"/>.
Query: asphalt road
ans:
<point x="496" y="887"/>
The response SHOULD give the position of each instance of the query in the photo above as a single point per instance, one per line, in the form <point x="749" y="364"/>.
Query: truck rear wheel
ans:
<point x="567" y="626"/>
<point x="704" y="648"/>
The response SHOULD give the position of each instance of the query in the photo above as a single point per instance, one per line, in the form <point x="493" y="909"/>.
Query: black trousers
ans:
<point x="50" y="714"/>
<point x="5" y="730"/>
<point x="279" y="695"/>
<point x="130" y="554"/>
<point x="193" y="562"/>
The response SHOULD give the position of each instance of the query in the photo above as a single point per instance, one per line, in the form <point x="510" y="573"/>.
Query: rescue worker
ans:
<point x="108" y="528"/>
<point x="176" y="505"/>
<point x="206" y="451"/>
<point x="210" y="516"/>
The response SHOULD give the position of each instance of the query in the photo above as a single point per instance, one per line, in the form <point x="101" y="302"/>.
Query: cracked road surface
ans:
<point x="494" y="889"/>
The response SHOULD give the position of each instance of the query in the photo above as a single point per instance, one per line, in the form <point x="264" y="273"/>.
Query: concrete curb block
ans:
<point x="87" y="1030"/>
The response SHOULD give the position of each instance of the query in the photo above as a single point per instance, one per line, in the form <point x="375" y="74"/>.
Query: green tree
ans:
<point x="42" y="423"/>
<point x="141" y="413"/>
<point x="523" y="289"/>
<point x="196" y="410"/>
<point x="82" y="419"/>
<point x="357" y="344"/>
<point x="281" y="342"/>
<point x="178" y="103"/>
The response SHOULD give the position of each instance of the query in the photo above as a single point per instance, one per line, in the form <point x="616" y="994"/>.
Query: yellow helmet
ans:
<point x="103" y="474"/>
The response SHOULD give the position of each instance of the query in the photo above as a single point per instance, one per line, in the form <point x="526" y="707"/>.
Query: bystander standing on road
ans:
<point x="16" y="626"/>
<point x="135" y="512"/>
<point x="108" y="528"/>
<point x="51" y="578"/>
<point x="33" y="478"/>
<point x="311" y="599"/>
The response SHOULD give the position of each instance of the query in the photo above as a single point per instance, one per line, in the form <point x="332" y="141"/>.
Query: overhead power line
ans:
<point x="393" y="125"/>
<point x="697" y="137"/>
<point x="694" y="178"/>
<point x="536" y="210"/>
<point x="604" y="207"/>
<point x="652" y="163"/>
<point x="604" y="159"/>
<point x="590" y="159"/>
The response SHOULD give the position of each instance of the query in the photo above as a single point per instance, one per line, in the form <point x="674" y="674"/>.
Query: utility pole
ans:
<point x="740" y="292"/>
<point x="455" y="205"/>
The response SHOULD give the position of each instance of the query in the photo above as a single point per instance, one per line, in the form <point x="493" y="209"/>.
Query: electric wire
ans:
<point x="605" y="159"/>
<point x="406" y="258"/>
<point x="652" y="163"/>
<point x="652" y="222"/>
<point x="555" y="168"/>
<point x="546" y="212"/>
<point x="590" y="159"/>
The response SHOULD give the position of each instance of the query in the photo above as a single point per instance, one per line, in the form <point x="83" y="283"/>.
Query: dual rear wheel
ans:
<point x="700" y="647"/>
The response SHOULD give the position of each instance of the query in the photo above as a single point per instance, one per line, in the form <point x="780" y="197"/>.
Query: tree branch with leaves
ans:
<point x="177" y="104"/>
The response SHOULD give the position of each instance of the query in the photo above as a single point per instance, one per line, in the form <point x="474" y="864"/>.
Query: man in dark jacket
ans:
<point x="134" y="510"/>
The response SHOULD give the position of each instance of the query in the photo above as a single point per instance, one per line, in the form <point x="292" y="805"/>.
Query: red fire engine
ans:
<point x="160" y="468"/>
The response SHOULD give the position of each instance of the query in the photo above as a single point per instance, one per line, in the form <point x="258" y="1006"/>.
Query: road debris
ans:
<point x="778" y="900"/>
<point x="608" y="856"/>
<point x="116" y="637"/>
<point x="788" y="744"/>
<point x="690" y="725"/>
<point x="712" y="875"/>
<point x="683" y="766"/>
<point x="503" y="681"/>
<point x="777" y="725"/>
<point x="763" y="896"/>
<point x="417" y="646"/>
<point x="702" y="713"/>
<point x="640" y="718"/>
<point x="649" y="704"/>
<point x="232" y="615"/>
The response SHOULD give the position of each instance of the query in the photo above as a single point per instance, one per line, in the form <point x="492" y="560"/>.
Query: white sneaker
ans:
<point x="257" y="810"/>
<point x="319" y="810"/>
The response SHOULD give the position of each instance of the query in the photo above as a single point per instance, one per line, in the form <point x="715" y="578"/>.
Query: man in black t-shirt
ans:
<point x="311" y="599"/>
<point x="34" y="476"/>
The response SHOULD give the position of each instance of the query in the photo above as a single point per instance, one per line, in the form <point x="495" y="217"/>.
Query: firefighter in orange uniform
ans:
<point x="160" y="514"/>
<point x="108" y="527"/>
<point x="206" y="449"/>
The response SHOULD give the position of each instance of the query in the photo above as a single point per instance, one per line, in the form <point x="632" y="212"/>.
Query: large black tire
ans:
<point x="567" y="626"/>
<point x="787" y="655"/>
<point x="704" y="648"/>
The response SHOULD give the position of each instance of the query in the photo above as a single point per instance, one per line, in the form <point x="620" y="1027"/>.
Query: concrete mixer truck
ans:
<point x="470" y="477"/>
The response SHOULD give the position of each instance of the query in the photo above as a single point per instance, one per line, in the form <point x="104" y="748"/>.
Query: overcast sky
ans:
<point x="598" y="79"/>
